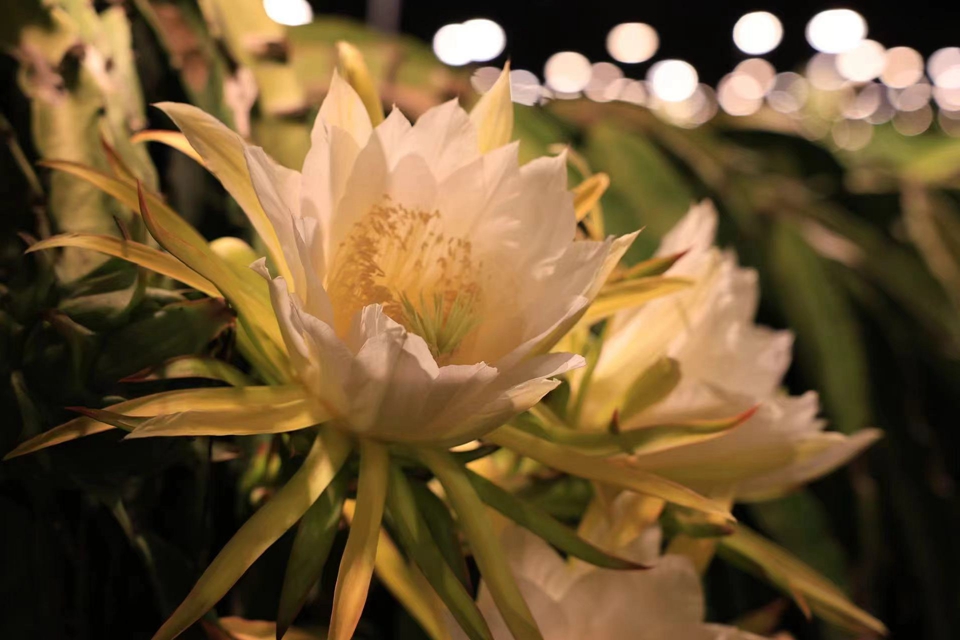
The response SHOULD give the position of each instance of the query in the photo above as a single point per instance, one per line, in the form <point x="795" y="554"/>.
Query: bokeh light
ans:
<point x="852" y="135"/>
<point x="672" y="80"/>
<point x="914" y="97"/>
<point x="602" y="75"/>
<point x="943" y="67"/>
<point x="291" y="13"/>
<point x="865" y="103"/>
<point x="477" y="40"/>
<point x="789" y="93"/>
<point x="836" y="30"/>
<point x="567" y="72"/>
<point x="485" y="39"/>
<point x="822" y="72"/>
<point x="947" y="99"/>
<point x="862" y="63"/>
<point x="732" y="98"/>
<point x="904" y="66"/>
<point x="912" y="123"/>
<point x="949" y="122"/>
<point x="632" y="42"/>
<point x="450" y="45"/>
<point x="757" y="33"/>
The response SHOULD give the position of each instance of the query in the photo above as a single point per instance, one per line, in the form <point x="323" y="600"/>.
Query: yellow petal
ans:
<point x="259" y="532"/>
<point x="401" y="581"/>
<point x="353" y="68"/>
<point x="611" y="471"/>
<point x="356" y="567"/>
<point x="222" y="153"/>
<point x="797" y="579"/>
<point x="587" y="194"/>
<point x="245" y="421"/>
<point x="631" y="293"/>
<point x="173" y="139"/>
<point x="484" y="543"/>
<point x="216" y="399"/>
<point x="141" y="254"/>
<point x="493" y="114"/>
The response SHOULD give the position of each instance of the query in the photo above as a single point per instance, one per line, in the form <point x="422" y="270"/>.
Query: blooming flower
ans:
<point x="422" y="274"/>
<point x="726" y="365"/>
<point x="571" y="601"/>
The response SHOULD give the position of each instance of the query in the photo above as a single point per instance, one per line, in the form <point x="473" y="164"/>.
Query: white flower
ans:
<point x="577" y="601"/>
<point x="422" y="274"/>
<point x="727" y="365"/>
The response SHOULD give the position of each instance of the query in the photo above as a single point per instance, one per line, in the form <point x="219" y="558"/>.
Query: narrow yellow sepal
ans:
<point x="493" y="114"/>
<point x="352" y="66"/>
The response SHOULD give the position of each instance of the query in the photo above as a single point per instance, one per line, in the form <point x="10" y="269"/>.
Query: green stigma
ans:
<point x="443" y="324"/>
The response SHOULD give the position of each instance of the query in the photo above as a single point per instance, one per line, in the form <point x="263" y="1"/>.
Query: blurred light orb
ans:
<point x="904" y="66"/>
<point x="525" y="87"/>
<point x="291" y="13"/>
<point x="450" y="45"/>
<point x="673" y="80"/>
<point x="864" y="62"/>
<point x="913" y="123"/>
<point x="731" y="98"/>
<point x="949" y="122"/>
<point x="483" y="79"/>
<point x="757" y="33"/>
<point x="602" y="75"/>
<point x="914" y="97"/>
<point x="632" y="42"/>
<point x="694" y="111"/>
<point x="789" y="93"/>
<point x="865" y="103"/>
<point x="943" y="67"/>
<point x="760" y="71"/>
<point x="822" y="72"/>
<point x="485" y="39"/>
<point x="852" y="135"/>
<point x="836" y="30"/>
<point x="635" y="92"/>
<point x="947" y="99"/>
<point x="567" y="72"/>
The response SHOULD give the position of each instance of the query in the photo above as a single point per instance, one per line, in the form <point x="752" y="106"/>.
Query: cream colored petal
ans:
<point x="343" y="108"/>
<point x="366" y="187"/>
<point x="818" y="455"/>
<point x="695" y="233"/>
<point x="445" y="137"/>
<point x="547" y="221"/>
<point x="493" y="114"/>
<point x="392" y="133"/>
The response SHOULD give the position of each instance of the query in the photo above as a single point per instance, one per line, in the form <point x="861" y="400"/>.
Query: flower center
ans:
<point x="400" y="258"/>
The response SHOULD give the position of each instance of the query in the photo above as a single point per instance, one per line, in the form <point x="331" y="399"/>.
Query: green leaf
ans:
<point x="484" y="543"/>
<point x="542" y="524"/>
<point x="442" y="527"/>
<point x="259" y="532"/>
<point x="415" y="536"/>
<point x="651" y="386"/>
<point x="311" y="546"/>
<point x="626" y="294"/>
<point x="192" y="367"/>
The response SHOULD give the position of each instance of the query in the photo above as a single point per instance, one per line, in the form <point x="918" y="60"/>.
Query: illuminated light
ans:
<point x="852" y="135"/>
<point x="904" y="67"/>
<point x="943" y="67"/>
<point x="865" y="103"/>
<point x="949" y="123"/>
<point x="567" y="72"/>
<point x="913" y="123"/>
<point x="757" y="33"/>
<point x="745" y="86"/>
<point x="450" y="45"/>
<point x="912" y="98"/>
<point x="694" y="111"/>
<point x="732" y="101"/>
<point x="484" y="39"/>
<point x="761" y="71"/>
<point x="814" y="128"/>
<point x="632" y="42"/>
<point x="883" y="113"/>
<point x="862" y="63"/>
<point x="789" y="93"/>
<point x="948" y="99"/>
<point x="836" y="30"/>
<point x="483" y="79"/>
<point x="291" y="13"/>
<point x="635" y="92"/>
<point x="672" y="80"/>
<point x="822" y="72"/>
<point x="602" y="75"/>
<point x="525" y="87"/>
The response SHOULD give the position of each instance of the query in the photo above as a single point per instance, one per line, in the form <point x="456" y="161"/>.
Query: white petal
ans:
<point x="695" y="233"/>
<point x="392" y="133"/>
<point x="445" y="137"/>
<point x="819" y="454"/>
<point x="326" y="169"/>
<point x="493" y="114"/>
<point x="342" y="107"/>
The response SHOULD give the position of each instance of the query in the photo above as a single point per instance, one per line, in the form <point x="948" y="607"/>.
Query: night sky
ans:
<point x="698" y="32"/>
